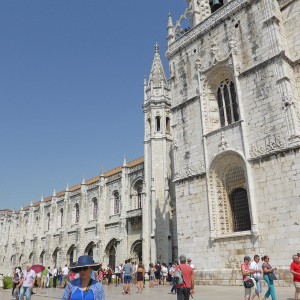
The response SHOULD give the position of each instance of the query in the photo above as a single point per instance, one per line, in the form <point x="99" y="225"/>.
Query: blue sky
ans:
<point x="71" y="89"/>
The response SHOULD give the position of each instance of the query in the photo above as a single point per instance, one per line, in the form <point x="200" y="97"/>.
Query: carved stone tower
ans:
<point x="157" y="244"/>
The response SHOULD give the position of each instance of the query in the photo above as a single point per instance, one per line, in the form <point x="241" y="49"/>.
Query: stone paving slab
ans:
<point x="162" y="292"/>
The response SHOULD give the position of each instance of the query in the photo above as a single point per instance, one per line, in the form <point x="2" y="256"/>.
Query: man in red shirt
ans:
<point x="185" y="289"/>
<point x="295" y="270"/>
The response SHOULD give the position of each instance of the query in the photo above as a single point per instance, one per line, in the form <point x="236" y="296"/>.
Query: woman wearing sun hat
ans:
<point x="84" y="287"/>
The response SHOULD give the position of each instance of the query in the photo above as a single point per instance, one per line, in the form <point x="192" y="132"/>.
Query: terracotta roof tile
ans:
<point x="114" y="171"/>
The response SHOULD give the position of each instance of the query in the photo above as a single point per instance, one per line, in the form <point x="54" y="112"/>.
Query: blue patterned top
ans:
<point x="96" y="291"/>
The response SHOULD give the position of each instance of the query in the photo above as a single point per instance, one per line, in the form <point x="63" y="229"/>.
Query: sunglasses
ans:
<point x="77" y="270"/>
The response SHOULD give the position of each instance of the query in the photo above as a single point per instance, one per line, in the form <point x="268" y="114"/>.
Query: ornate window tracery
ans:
<point x="116" y="203"/>
<point x="136" y="195"/>
<point x="228" y="107"/>
<point x="76" y="213"/>
<point x="95" y="208"/>
<point x="221" y="102"/>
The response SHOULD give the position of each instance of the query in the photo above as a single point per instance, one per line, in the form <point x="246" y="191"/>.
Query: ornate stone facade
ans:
<point x="101" y="217"/>
<point x="220" y="174"/>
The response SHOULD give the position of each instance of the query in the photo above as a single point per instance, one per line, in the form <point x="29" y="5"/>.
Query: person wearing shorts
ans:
<point x="151" y="275"/>
<point x="127" y="269"/>
<point x="65" y="275"/>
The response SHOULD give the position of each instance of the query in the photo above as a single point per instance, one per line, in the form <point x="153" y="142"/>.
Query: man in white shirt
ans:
<point x="65" y="273"/>
<point x="55" y="274"/>
<point x="27" y="282"/>
<point x="255" y="267"/>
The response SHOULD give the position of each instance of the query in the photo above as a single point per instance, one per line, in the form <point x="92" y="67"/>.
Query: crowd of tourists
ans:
<point x="85" y="278"/>
<point x="254" y="272"/>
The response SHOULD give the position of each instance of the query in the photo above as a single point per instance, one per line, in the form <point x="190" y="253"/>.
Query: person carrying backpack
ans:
<point x="184" y="276"/>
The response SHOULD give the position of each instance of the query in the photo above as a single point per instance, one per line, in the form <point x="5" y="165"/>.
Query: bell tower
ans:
<point x="157" y="243"/>
<point x="198" y="10"/>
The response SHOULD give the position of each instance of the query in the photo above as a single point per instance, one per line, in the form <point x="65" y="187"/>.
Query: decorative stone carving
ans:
<point x="189" y="171"/>
<point x="224" y="144"/>
<point x="268" y="146"/>
<point x="206" y="25"/>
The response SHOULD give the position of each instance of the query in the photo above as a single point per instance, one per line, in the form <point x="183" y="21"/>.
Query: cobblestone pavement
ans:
<point x="162" y="292"/>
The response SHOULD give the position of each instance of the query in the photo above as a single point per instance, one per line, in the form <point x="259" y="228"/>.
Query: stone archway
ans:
<point x="111" y="251"/>
<point x="13" y="260"/>
<point x="71" y="254"/>
<point x="42" y="257"/>
<point x="136" y="251"/>
<point x="30" y="258"/>
<point x="90" y="249"/>
<point x="55" y="257"/>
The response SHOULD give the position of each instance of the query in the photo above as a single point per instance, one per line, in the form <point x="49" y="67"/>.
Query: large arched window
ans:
<point x="228" y="190"/>
<point x="95" y="208"/>
<point x="116" y="203"/>
<point x="76" y="213"/>
<point x="228" y="108"/>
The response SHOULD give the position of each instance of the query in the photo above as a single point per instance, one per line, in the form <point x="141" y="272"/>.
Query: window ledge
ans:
<point x="233" y="235"/>
<point x="224" y="128"/>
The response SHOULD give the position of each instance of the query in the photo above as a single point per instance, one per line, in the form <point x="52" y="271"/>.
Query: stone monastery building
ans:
<point x="220" y="176"/>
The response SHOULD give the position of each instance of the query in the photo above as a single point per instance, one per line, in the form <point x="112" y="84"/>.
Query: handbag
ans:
<point x="272" y="276"/>
<point x="248" y="283"/>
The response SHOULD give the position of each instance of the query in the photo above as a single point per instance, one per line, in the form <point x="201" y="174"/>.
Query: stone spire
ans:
<point x="67" y="188"/>
<point x="54" y="193"/>
<point x="42" y="198"/>
<point x="157" y="75"/>
<point x="170" y="27"/>
<point x="125" y="161"/>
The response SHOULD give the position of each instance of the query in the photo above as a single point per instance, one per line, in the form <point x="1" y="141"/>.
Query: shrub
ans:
<point x="7" y="282"/>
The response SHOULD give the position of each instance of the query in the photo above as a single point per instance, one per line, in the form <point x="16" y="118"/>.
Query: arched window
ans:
<point x="95" y="208"/>
<point x="149" y="126"/>
<point x="76" y="213"/>
<point x="228" y="108"/>
<point x="240" y="210"/>
<point x="48" y="221"/>
<point x="167" y="125"/>
<point x="228" y="186"/>
<point x="157" y="121"/>
<point x="116" y="203"/>
<point x="138" y="189"/>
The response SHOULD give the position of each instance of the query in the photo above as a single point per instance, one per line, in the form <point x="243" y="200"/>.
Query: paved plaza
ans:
<point x="162" y="292"/>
